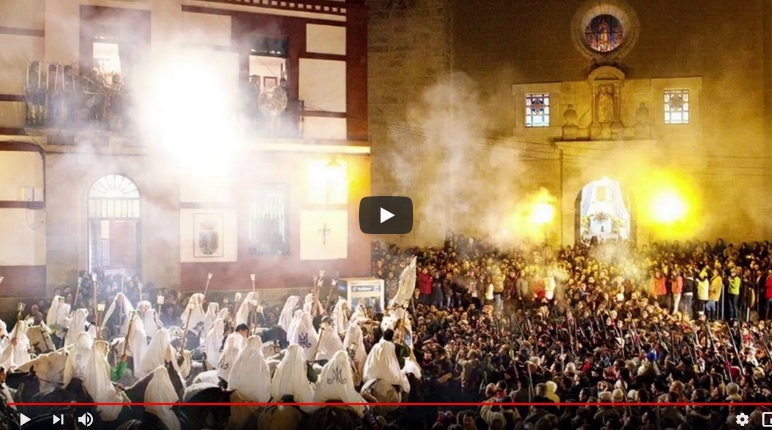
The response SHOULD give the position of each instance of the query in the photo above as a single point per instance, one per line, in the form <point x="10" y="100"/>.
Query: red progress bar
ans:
<point x="414" y="404"/>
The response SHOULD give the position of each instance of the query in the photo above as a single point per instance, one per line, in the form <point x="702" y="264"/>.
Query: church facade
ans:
<point x="641" y="120"/>
<point x="177" y="139"/>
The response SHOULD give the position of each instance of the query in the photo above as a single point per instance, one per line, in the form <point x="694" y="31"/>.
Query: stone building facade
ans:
<point x="565" y="94"/>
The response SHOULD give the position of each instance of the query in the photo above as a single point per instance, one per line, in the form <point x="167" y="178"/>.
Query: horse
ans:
<point x="277" y="334"/>
<point x="40" y="339"/>
<point x="210" y="417"/>
<point x="332" y="416"/>
<point x="49" y="369"/>
<point x="281" y="417"/>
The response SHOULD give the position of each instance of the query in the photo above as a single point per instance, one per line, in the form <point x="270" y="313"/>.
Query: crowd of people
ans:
<point x="590" y="324"/>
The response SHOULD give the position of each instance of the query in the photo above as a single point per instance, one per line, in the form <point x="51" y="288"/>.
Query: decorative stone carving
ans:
<point x="642" y="126"/>
<point x="570" y="123"/>
<point x="606" y="83"/>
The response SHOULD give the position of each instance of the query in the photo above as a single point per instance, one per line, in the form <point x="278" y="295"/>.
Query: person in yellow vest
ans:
<point x="734" y="294"/>
<point x="714" y="294"/>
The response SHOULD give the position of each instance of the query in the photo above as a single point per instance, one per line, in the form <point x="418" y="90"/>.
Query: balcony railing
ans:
<point x="89" y="103"/>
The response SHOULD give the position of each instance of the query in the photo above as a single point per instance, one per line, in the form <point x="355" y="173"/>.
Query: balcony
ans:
<point x="90" y="110"/>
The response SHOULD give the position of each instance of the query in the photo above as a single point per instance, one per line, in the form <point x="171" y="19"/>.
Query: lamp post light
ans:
<point x="159" y="300"/>
<point x="100" y="307"/>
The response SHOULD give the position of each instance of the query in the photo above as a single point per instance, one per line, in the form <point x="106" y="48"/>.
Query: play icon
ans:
<point x="23" y="419"/>
<point x="386" y="215"/>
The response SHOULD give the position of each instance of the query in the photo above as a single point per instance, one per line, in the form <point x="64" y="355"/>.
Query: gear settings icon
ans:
<point x="742" y="419"/>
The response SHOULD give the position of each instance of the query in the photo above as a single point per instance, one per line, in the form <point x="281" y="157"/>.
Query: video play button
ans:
<point x="23" y="419"/>
<point x="386" y="215"/>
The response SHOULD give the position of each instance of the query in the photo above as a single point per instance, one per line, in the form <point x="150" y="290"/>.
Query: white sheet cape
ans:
<point x="250" y="375"/>
<point x="382" y="364"/>
<point x="336" y="383"/>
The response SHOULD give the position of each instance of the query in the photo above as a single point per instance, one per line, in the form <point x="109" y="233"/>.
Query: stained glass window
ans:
<point x="604" y="33"/>
<point x="537" y="110"/>
<point x="676" y="106"/>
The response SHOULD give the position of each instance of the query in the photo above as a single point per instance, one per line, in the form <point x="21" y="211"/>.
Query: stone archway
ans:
<point x="603" y="211"/>
<point x="113" y="226"/>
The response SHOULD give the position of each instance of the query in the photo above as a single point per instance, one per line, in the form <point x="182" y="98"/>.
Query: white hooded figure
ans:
<point x="382" y="364"/>
<point x="157" y="354"/>
<point x="76" y="366"/>
<point x="77" y="326"/>
<point x="211" y="315"/>
<point x="195" y="317"/>
<point x="355" y="340"/>
<point x="329" y="343"/>
<point x="359" y="315"/>
<point x="20" y="353"/>
<point x="213" y="343"/>
<point x="161" y="390"/>
<point x="340" y="316"/>
<point x="149" y="318"/>
<point x="250" y="375"/>
<point x="98" y="386"/>
<point x="306" y="336"/>
<point x="336" y="383"/>
<point x="4" y="339"/>
<point x="58" y="316"/>
<point x="290" y="379"/>
<point x="285" y="318"/>
<point x="230" y="352"/>
<point x="137" y="340"/>
<point x="250" y="302"/>
<point x="312" y="304"/>
<point x="293" y="328"/>
<point x="123" y="306"/>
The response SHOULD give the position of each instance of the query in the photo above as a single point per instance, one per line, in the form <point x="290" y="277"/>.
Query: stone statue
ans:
<point x="606" y="104"/>
<point x="570" y="117"/>
<point x="642" y="126"/>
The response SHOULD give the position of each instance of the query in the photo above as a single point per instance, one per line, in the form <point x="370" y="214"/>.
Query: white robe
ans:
<point x="98" y="386"/>
<point x="339" y="317"/>
<point x="306" y="337"/>
<point x="149" y="318"/>
<point x="213" y="343"/>
<point x="285" y="318"/>
<point x="293" y="328"/>
<point x="233" y="346"/>
<point x="20" y="353"/>
<point x="290" y="378"/>
<point x="359" y="316"/>
<point x="122" y="305"/>
<point x="77" y="326"/>
<point x="250" y="375"/>
<point x="76" y="366"/>
<point x="161" y="390"/>
<point x="329" y="344"/>
<point x="137" y="340"/>
<point x="336" y="382"/>
<point x="382" y="364"/>
<point x="197" y="315"/>
<point x="355" y="340"/>
<point x="58" y="316"/>
<point x="310" y="303"/>
<point x="242" y="315"/>
<point x="211" y="315"/>
<point x="158" y="352"/>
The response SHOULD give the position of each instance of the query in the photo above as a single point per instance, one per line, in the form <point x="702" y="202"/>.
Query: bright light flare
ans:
<point x="668" y="207"/>
<point x="542" y="213"/>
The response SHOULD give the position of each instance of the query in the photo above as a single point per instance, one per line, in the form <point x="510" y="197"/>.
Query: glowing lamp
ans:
<point x="542" y="213"/>
<point x="252" y="277"/>
<point x="159" y="300"/>
<point x="209" y="276"/>
<point x="101" y="307"/>
<point x="668" y="207"/>
<point x="238" y="297"/>
<point x="94" y="277"/>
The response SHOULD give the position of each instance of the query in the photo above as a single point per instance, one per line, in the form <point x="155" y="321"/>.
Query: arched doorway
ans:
<point x="603" y="211"/>
<point x="113" y="226"/>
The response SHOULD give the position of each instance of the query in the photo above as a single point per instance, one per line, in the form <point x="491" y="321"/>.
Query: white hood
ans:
<point x="336" y="383"/>
<point x="157" y="354"/>
<point x="285" y="319"/>
<point x="290" y="377"/>
<point x="382" y="364"/>
<point x="229" y="355"/>
<point x="250" y="375"/>
<point x="161" y="390"/>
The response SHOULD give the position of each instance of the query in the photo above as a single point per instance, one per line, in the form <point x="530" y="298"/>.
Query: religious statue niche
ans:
<point x="603" y="212"/>
<point x="605" y="104"/>
<point x="604" y="33"/>
<point x="606" y="83"/>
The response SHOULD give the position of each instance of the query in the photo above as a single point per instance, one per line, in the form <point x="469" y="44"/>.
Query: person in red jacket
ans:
<point x="424" y="281"/>
<point x="658" y="288"/>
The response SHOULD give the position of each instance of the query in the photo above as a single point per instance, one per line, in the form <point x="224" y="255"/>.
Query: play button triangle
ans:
<point x="386" y="215"/>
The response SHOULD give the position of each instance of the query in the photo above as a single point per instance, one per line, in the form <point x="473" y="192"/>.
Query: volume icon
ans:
<point x="86" y="419"/>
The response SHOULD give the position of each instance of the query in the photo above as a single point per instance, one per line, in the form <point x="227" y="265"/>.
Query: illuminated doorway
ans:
<point x="113" y="226"/>
<point x="603" y="212"/>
